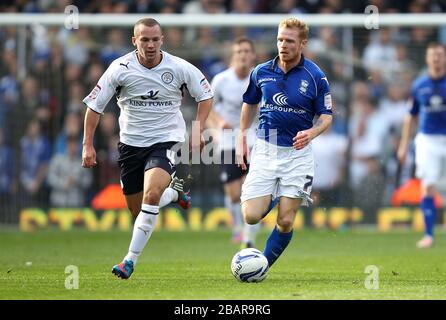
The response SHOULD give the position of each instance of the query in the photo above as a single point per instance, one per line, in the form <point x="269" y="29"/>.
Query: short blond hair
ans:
<point x="294" y="23"/>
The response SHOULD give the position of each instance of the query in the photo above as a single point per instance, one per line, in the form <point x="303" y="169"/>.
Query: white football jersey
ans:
<point x="149" y="99"/>
<point x="229" y="89"/>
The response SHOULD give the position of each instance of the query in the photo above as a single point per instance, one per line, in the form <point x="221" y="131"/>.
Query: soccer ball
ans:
<point x="249" y="265"/>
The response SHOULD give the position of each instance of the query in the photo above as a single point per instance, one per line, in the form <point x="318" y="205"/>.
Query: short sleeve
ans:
<point x="323" y="102"/>
<point x="414" y="104"/>
<point x="197" y="84"/>
<point x="104" y="90"/>
<point x="253" y="93"/>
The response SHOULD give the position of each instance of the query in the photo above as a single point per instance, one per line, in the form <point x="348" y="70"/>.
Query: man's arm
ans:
<point x="303" y="138"/>
<point x="408" y="125"/>
<point x="88" y="152"/>
<point x="216" y="121"/>
<point x="249" y="111"/>
<point x="204" y="107"/>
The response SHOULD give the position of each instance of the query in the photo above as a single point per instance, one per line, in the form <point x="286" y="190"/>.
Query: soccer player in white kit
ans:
<point x="428" y="103"/>
<point x="291" y="90"/>
<point x="149" y="85"/>
<point x="228" y="87"/>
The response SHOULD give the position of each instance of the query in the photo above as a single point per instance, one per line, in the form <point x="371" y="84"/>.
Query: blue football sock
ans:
<point x="276" y="244"/>
<point x="429" y="213"/>
<point x="272" y="204"/>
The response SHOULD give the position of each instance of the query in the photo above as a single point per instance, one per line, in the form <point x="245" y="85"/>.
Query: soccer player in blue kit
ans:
<point x="291" y="90"/>
<point x="428" y="99"/>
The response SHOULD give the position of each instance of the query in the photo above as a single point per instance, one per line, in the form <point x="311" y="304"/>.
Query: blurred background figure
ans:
<point x="35" y="154"/>
<point x="8" y="183"/>
<point x="67" y="179"/>
<point x="330" y="156"/>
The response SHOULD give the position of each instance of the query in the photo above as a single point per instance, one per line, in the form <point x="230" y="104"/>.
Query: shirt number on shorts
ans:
<point x="308" y="183"/>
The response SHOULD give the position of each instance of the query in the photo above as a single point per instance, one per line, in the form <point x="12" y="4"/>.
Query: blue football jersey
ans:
<point x="429" y="101"/>
<point x="288" y="101"/>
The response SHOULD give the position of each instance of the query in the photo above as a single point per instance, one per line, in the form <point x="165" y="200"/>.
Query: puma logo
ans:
<point x="125" y="65"/>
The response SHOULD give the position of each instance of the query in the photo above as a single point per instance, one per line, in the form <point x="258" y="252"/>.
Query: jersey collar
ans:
<point x="275" y="67"/>
<point x="153" y="68"/>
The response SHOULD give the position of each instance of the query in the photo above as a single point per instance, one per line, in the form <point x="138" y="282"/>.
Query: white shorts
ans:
<point x="280" y="172"/>
<point x="430" y="158"/>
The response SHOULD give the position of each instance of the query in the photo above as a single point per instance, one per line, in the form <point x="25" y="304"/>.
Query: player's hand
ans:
<point x="302" y="139"/>
<point x="241" y="151"/>
<point x="196" y="145"/>
<point x="88" y="156"/>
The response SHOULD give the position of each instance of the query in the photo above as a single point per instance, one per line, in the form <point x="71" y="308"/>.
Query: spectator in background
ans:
<point x="77" y="45"/>
<point x="94" y="72"/>
<point x="174" y="38"/>
<point x="67" y="179"/>
<point x="115" y="47"/>
<point x="340" y="94"/>
<point x="419" y="40"/>
<point x="35" y="153"/>
<point x="381" y="52"/>
<point x="402" y="63"/>
<point x="8" y="185"/>
<point x="76" y="93"/>
<point x="288" y="6"/>
<point x="72" y="128"/>
<point x="394" y="104"/>
<point x="204" y="6"/>
<point x="9" y="94"/>
<point x="329" y="150"/>
<point x="369" y="193"/>
<point x="246" y="7"/>
<point x="9" y="56"/>
<point x="108" y="168"/>
<point x="199" y="7"/>
<point x="30" y="97"/>
<point x="368" y="128"/>
<point x="210" y="63"/>
<point x="171" y="6"/>
<point x="145" y="6"/>
<point x="107" y="127"/>
<point x="326" y="41"/>
<point x="29" y="101"/>
<point x="377" y="83"/>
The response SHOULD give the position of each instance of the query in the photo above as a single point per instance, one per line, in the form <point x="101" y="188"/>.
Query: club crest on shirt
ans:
<point x="167" y="77"/>
<point x="435" y="101"/>
<point x="205" y="85"/>
<point x="327" y="101"/>
<point x="94" y="93"/>
<point x="303" y="86"/>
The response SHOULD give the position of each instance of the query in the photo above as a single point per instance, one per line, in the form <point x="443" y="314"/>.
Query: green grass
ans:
<point x="196" y="265"/>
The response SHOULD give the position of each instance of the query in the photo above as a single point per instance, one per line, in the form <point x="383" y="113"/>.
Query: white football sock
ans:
<point x="250" y="232"/>
<point x="169" y="195"/>
<point x="237" y="216"/>
<point x="235" y="221"/>
<point x="145" y="223"/>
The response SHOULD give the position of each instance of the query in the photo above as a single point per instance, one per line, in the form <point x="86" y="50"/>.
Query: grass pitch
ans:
<point x="196" y="265"/>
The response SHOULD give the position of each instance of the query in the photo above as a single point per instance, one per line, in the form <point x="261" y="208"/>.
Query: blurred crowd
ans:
<point x="222" y="6"/>
<point x="45" y="72"/>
